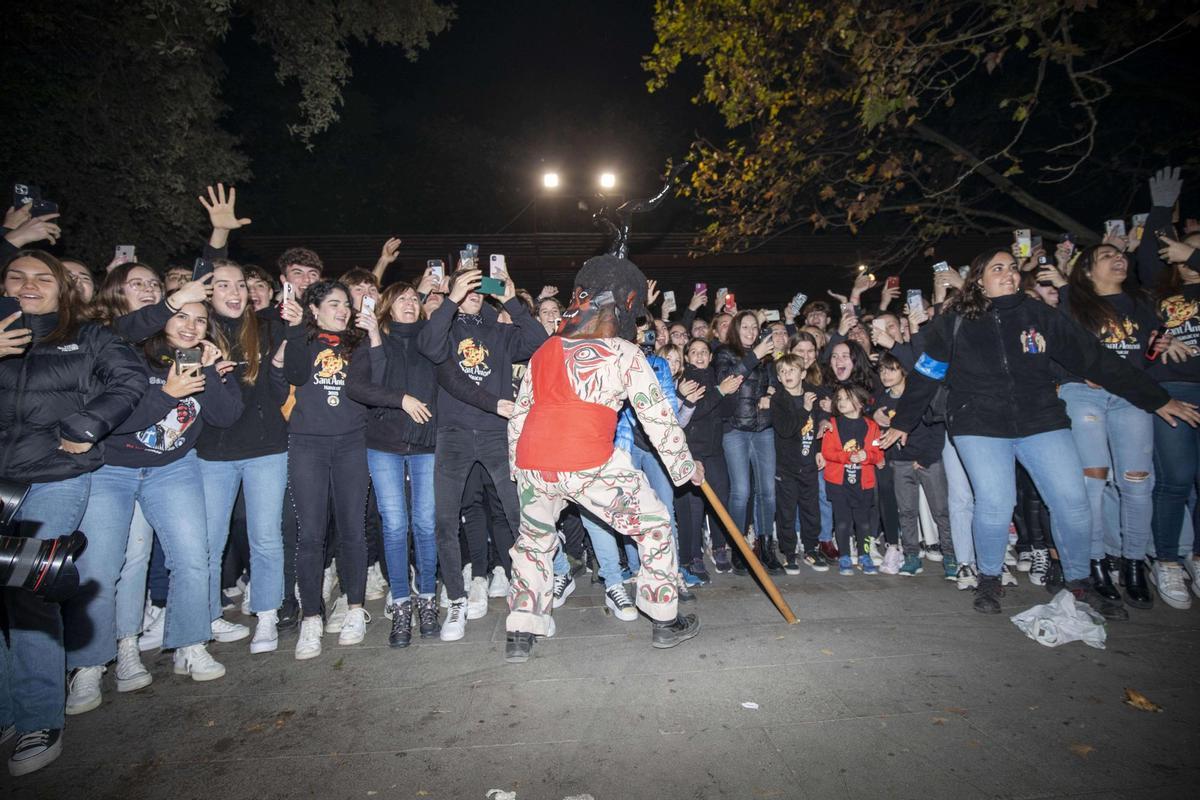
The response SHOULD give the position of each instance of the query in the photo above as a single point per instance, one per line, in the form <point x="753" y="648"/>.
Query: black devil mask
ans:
<point x="606" y="285"/>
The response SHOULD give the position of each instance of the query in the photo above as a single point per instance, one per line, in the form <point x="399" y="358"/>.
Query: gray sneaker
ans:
<point x="669" y="634"/>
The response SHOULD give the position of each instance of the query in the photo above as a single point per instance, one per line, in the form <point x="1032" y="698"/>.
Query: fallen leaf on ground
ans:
<point x="939" y="720"/>
<point x="826" y="651"/>
<point x="1082" y="750"/>
<point x="1139" y="701"/>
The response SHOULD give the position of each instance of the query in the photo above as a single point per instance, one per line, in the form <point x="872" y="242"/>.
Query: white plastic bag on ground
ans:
<point x="1064" y="619"/>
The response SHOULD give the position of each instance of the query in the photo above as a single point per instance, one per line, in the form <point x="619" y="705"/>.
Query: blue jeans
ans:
<point x="745" y="451"/>
<point x="1176" y="470"/>
<point x="962" y="505"/>
<point x="33" y="686"/>
<point x="130" y="602"/>
<point x="1053" y="464"/>
<point x="826" y="511"/>
<point x="1113" y="435"/>
<point x="172" y="499"/>
<point x="264" y="484"/>
<point x="605" y="546"/>
<point x="387" y="476"/>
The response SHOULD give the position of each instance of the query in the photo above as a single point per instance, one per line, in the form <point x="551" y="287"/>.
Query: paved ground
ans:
<point x="888" y="688"/>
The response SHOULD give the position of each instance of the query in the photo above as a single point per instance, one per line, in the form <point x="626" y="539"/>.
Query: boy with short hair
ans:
<point x="797" y="417"/>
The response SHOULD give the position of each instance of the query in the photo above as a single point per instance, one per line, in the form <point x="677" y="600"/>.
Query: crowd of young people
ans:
<point x="311" y="443"/>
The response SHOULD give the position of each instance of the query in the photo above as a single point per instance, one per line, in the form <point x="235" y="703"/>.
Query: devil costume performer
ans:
<point x="561" y="450"/>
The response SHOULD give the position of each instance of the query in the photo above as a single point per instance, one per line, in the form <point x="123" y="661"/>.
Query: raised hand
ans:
<point x="16" y="216"/>
<point x="192" y="292"/>
<point x="13" y="341"/>
<point x="465" y="282"/>
<point x="547" y="291"/>
<point x="390" y="252"/>
<point x="221" y="215"/>
<point x="1053" y="275"/>
<point x="1174" y="252"/>
<point x="35" y="229"/>
<point x="1165" y="186"/>
<point x="652" y="292"/>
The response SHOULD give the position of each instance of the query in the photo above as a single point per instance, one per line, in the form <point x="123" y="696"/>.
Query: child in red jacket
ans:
<point x="851" y="452"/>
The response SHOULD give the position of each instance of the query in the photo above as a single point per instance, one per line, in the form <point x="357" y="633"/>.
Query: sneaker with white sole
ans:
<point x="83" y="690"/>
<point x="1039" y="566"/>
<point x="455" y="625"/>
<point x="329" y="582"/>
<point x="499" y="585"/>
<point x="35" y="750"/>
<point x="266" y="633"/>
<point x="377" y="587"/>
<point x="933" y="552"/>
<point x="246" y="612"/>
<point x="154" y="624"/>
<point x="1191" y="565"/>
<point x="617" y="600"/>
<point x="337" y="615"/>
<point x="225" y="631"/>
<point x="131" y="673"/>
<point x="1010" y="556"/>
<point x="309" y="644"/>
<point x="564" y="586"/>
<point x="1025" y="561"/>
<point x="1168" y="577"/>
<point x="967" y="578"/>
<point x="872" y="549"/>
<point x="1006" y="577"/>
<point x="892" y="560"/>
<point x="195" y="661"/>
<point x="354" y="629"/>
<point x="477" y="598"/>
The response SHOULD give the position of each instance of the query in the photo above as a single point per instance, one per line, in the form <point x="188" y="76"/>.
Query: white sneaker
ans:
<point x="337" y="616"/>
<point x="246" y="612"/>
<point x="1039" y="565"/>
<point x="329" y="582"/>
<point x="1006" y="577"/>
<point x="892" y="560"/>
<point x="1191" y="565"/>
<point x="377" y="587"/>
<point x="354" y="629"/>
<point x="477" y="598"/>
<point x="1168" y="576"/>
<point x="225" y="631"/>
<point x="1010" y="557"/>
<point x="154" y="623"/>
<point x="1025" y="561"/>
<point x="499" y="585"/>
<point x="933" y="552"/>
<point x="617" y="600"/>
<point x="873" y="549"/>
<point x="455" y="626"/>
<point x="309" y="644"/>
<point x="564" y="587"/>
<point x="443" y="598"/>
<point x="967" y="578"/>
<point x="266" y="633"/>
<point x="131" y="674"/>
<point x="194" y="660"/>
<point x="83" y="690"/>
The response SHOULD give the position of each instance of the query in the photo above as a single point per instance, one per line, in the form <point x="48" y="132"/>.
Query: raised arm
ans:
<point x="653" y="410"/>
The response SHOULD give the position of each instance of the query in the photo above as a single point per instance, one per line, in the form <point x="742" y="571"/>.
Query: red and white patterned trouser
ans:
<point x="621" y="497"/>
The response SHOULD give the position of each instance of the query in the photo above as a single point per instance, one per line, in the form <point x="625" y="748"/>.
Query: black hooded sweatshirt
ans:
<point x="1002" y="382"/>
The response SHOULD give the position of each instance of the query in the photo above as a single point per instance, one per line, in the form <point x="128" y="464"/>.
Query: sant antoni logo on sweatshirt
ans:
<point x="473" y="359"/>
<point x="330" y="368"/>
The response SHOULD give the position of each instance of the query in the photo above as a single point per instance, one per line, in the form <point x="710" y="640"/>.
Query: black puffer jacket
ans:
<point x="78" y="390"/>
<point x="742" y="411"/>
<point x="1002" y="382"/>
<point x="402" y="371"/>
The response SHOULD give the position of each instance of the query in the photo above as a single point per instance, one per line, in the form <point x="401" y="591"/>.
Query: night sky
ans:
<point x="457" y="141"/>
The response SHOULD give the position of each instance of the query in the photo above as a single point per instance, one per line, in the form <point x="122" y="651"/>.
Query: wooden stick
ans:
<point x="748" y="554"/>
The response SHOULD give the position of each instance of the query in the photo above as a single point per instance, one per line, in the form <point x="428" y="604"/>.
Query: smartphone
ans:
<point x="187" y="360"/>
<point x="1154" y="346"/>
<point x="24" y="194"/>
<point x="730" y="303"/>
<point x="1139" y="225"/>
<point x="201" y="268"/>
<point x="368" y="305"/>
<point x="493" y="286"/>
<point x="1024" y="240"/>
<point x="10" y="306"/>
<point x="1035" y="243"/>
<point x="892" y="282"/>
<point x="701" y="288"/>
<point x="941" y="266"/>
<point x="721" y="297"/>
<point x="798" y="302"/>
<point x="289" y="292"/>
<point x="498" y="267"/>
<point x="125" y="254"/>
<point x="1114" y="227"/>
<point x="879" y="324"/>
<point x="772" y="315"/>
<point x="915" y="300"/>
<point x="437" y="269"/>
<point x="1069" y="240"/>
<point x="668" y="302"/>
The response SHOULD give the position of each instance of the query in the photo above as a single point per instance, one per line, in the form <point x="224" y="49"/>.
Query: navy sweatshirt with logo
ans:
<point x="483" y="350"/>
<point x="320" y="368"/>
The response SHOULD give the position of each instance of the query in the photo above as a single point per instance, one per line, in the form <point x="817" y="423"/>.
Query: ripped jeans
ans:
<point x="1115" y="441"/>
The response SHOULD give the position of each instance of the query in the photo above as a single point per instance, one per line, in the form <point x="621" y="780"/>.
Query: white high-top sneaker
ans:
<point x="499" y="584"/>
<point x="329" y="582"/>
<point x="377" y="587"/>
<point x="131" y="673"/>
<point x="194" y="660"/>
<point x="337" y="616"/>
<point x="455" y="626"/>
<point x="309" y="644"/>
<point x="477" y="598"/>
<point x="154" y="623"/>
<point x="83" y="690"/>
<point x="266" y="634"/>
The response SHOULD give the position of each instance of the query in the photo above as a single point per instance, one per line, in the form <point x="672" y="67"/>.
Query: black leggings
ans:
<point x="889" y="510"/>
<point x="321" y="468"/>
<point x="1032" y="518"/>
<point x="690" y="508"/>
<point x="853" y="515"/>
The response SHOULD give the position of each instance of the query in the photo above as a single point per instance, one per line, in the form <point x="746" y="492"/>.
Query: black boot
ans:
<point x="402" y="620"/>
<point x="739" y="564"/>
<point x="669" y="634"/>
<point x="988" y="594"/>
<point x="427" y="613"/>
<point x="1054" y="577"/>
<point x="766" y="554"/>
<point x="1102" y="582"/>
<point x="1085" y="591"/>
<point x="1133" y="581"/>
<point x="518" y="647"/>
